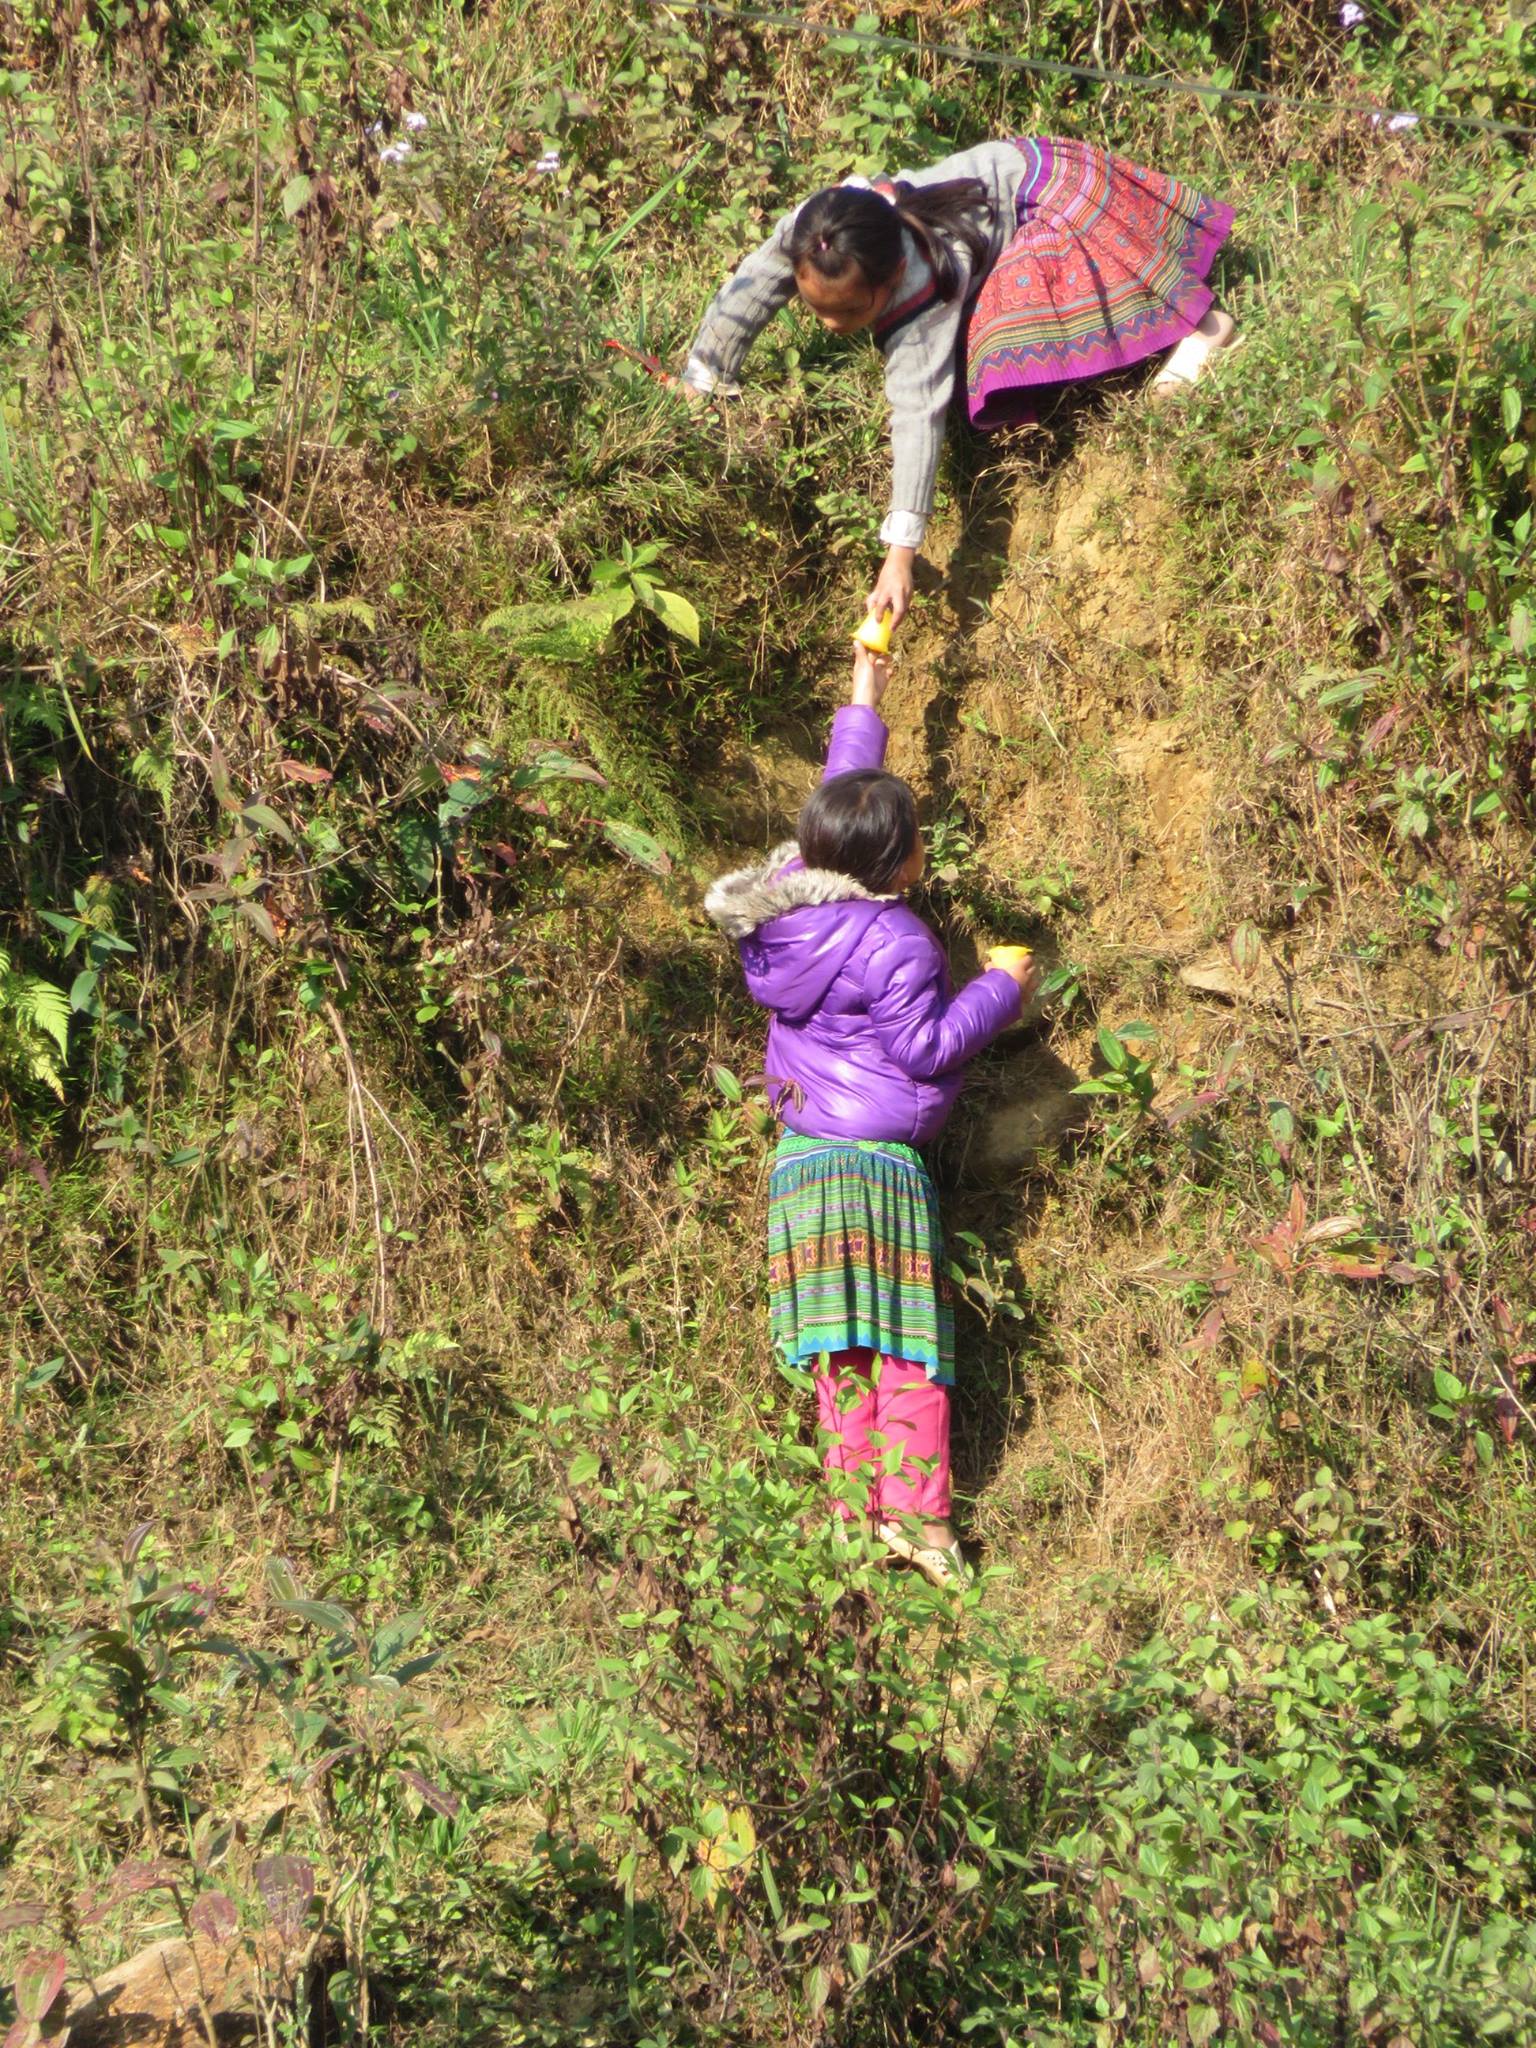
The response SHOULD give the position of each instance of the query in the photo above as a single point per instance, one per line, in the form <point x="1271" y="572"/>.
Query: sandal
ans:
<point x="941" y="1564"/>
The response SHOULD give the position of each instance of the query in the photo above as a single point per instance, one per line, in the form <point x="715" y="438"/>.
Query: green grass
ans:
<point x="390" y="1238"/>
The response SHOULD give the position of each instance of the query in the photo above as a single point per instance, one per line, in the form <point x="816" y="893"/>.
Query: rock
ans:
<point x="1215" y="974"/>
<point x="154" y="1999"/>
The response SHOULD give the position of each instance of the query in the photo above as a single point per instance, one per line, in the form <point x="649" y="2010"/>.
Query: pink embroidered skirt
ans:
<point x="1107" y="268"/>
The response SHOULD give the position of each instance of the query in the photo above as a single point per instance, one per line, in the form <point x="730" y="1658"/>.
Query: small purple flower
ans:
<point x="414" y="121"/>
<point x="549" y="161"/>
<point x="1351" y="14"/>
<point x="394" y="152"/>
<point x="1400" y="123"/>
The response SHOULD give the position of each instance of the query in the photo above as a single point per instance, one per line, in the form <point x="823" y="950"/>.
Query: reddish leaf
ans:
<point x="25" y="1913"/>
<point x="38" y="1983"/>
<point x="1296" y="1211"/>
<point x="1275" y="1255"/>
<point x="213" y="1915"/>
<point x="1406" y="1275"/>
<point x="287" y="1885"/>
<point x="446" y="1803"/>
<point x="1246" y="947"/>
<point x="260" y="919"/>
<point x="1209" y="1332"/>
<point x="1329" y="1227"/>
<point x="331" y="1759"/>
<point x="20" y="2034"/>
<point x="1382" y="728"/>
<point x="303" y="771"/>
<point x="1191" y="1105"/>
<point x="1353" y="1269"/>
<point x="131" y="1878"/>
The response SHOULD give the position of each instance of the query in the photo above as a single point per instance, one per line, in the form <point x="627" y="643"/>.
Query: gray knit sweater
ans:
<point x="921" y="354"/>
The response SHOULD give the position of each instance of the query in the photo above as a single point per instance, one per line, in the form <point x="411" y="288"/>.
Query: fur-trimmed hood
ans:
<point x="797" y="927"/>
<point x="748" y="897"/>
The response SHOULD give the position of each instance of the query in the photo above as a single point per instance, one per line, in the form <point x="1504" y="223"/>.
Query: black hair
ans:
<point x="862" y="824"/>
<point x="846" y="227"/>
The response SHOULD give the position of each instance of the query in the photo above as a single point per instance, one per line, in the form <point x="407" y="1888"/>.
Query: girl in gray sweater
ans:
<point x="1020" y="265"/>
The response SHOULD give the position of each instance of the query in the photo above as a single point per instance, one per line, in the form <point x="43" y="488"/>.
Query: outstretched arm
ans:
<point x="858" y="731"/>
<point x="925" y="1030"/>
<point x="920" y="369"/>
<point x="739" y="312"/>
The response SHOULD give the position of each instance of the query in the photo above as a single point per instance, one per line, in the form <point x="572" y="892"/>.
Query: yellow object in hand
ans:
<point x="1007" y="957"/>
<point x="875" y="634"/>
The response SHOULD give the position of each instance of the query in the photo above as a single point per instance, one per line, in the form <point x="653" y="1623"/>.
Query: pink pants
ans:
<point x="869" y="1406"/>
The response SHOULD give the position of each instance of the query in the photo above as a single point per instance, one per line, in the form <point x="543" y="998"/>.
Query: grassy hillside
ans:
<point x="415" y="1588"/>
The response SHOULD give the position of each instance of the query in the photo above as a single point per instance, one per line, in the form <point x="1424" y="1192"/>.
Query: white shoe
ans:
<point x="1187" y="359"/>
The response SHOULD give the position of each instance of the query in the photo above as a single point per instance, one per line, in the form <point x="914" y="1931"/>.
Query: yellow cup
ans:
<point x="1007" y="957"/>
<point x="875" y="634"/>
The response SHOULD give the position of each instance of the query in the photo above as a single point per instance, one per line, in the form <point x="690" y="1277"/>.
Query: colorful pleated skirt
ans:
<point x="1108" y="267"/>
<point x="856" y="1255"/>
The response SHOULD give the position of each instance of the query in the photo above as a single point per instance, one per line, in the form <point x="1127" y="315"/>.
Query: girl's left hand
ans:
<point x="893" y="592"/>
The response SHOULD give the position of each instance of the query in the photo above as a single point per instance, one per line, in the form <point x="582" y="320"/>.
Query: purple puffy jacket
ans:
<point x="867" y="1038"/>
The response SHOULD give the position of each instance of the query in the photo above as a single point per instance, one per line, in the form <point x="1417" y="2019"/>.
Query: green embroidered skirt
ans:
<point x="856" y="1254"/>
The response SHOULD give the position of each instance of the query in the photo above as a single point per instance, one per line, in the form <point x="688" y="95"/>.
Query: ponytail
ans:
<point x="847" y="227"/>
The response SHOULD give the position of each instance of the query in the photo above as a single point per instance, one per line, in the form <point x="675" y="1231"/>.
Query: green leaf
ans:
<point x="637" y="846"/>
<point x="1448" y="1387"/>
<point x="265" y="819"/>
<point x="325" y="1615"/>
<point x="1114" y="1053"/>
<point x="553" y="764"/>
<point x="1202" y="2022"/>
<point x="1511" y="406"/>
<point x="584" y="1468"/>
<point x="296" y="194"/>
<point x="676" y="614"/>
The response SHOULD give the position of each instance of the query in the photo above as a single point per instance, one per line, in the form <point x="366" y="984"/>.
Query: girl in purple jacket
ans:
<point x="867" y="1049"/>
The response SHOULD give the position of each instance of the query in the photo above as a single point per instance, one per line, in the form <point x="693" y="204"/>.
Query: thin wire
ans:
<point x="1137" y="81"/>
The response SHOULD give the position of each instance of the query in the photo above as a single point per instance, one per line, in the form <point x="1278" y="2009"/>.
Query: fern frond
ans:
<point x="310" y="620"/>
<point x="32" y="1012"/>
<point x="43" y="1007"/>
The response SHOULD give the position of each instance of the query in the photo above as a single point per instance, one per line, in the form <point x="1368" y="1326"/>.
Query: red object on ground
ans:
<point x="652" y="365"/>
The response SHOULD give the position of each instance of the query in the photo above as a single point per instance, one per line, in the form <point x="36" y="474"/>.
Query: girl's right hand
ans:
<point x="871" y="673"/>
